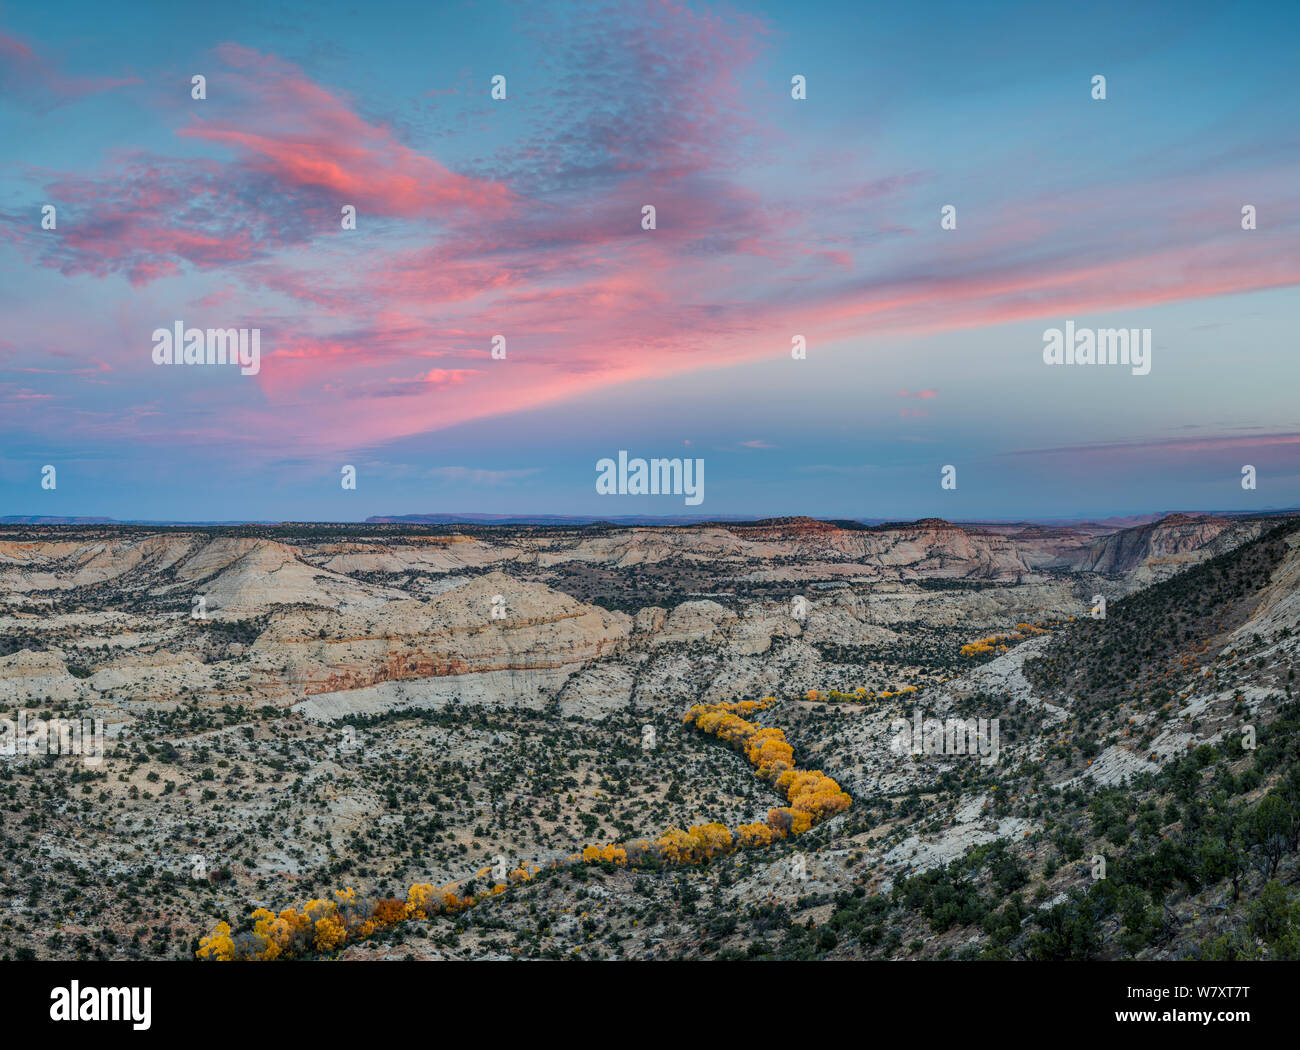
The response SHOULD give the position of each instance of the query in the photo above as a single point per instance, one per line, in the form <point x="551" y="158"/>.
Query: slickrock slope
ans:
<point x="488" y="623"/>
<point x="1158" y="550"/>
<point x="291" y="613"/>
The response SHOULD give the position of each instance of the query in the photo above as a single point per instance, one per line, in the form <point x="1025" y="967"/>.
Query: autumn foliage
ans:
<point x="813" y="796"/>
<point x="1001" y="643"/>
<point x="860" y="695"/>
<point x="325" y="926"/>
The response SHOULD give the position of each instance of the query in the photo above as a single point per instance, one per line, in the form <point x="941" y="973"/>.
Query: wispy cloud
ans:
<point x="478" y="476"/>
<point x="35" y="79"/>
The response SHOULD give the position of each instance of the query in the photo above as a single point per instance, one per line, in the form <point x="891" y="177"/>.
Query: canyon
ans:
<point x="299" y="706"/>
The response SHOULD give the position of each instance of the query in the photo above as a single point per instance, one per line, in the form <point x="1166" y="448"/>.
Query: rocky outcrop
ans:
<point x="488" y="616"/>
<point x="487" y="624"/>
<point x="1165" y="546"/>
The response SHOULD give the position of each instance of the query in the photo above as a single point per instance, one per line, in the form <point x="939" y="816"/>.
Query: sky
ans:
<point x="775" y="217"/>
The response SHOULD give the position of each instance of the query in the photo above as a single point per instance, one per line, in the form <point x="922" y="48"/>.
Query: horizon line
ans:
<point x="630" y="520"/>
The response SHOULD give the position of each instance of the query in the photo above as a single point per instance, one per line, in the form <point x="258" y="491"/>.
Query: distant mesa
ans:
<point x="547" y="519"/>
<point x="50" y="519"/>
<point x="793" y="524"/>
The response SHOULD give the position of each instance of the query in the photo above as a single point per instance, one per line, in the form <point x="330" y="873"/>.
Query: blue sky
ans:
<point x="522" y="217"/>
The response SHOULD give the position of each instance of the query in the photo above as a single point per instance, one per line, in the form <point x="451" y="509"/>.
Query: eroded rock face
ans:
<point x="1163" y="547"/>
<point x="492" y="617"/>
<point x="491" y="623"/>
<point x="1279" y="603"/>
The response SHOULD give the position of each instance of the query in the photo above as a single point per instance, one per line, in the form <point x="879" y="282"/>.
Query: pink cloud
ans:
<point x="1208" y="444"/>
<point x="585" y="297"/>
<point x="23" y="73"/>
<point x="434" y="379"/>
<point x="304" y="136"/>
<point x="299" y="153"/>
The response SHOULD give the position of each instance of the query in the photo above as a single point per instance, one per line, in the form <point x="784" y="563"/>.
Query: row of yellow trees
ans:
<point x="1001" y="642"/>
<point x="859" y="695"/>
<point x="812" y="795"/>
<point x="324" y="925"/>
